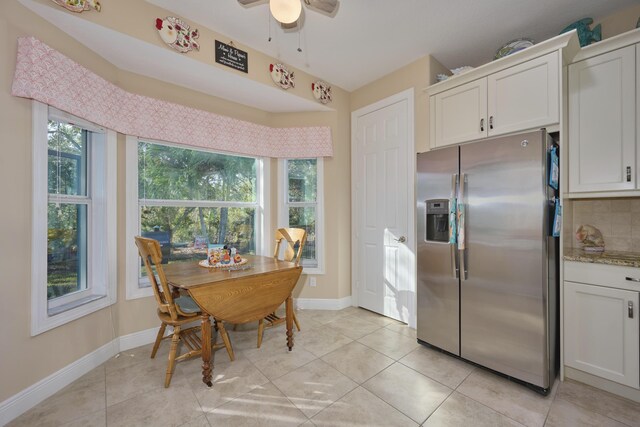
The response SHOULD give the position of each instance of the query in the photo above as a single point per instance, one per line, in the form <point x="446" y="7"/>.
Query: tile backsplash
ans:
<point x="617" y="219"/>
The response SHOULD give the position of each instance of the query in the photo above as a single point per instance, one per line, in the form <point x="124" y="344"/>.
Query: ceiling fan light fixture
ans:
<point x="285" y="11"/>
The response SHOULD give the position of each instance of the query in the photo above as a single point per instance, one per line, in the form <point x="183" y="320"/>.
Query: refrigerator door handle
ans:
<point x="453" y="232"/>
<point x="461" y="227"/>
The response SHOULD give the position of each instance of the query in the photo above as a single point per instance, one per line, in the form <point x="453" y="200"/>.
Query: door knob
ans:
<point x="401" y="239"/>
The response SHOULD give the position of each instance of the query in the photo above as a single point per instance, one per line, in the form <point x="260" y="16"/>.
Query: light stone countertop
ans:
<point x="620" y="258"/>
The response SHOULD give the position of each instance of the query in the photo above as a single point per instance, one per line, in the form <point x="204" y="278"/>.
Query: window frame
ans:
<point x="101" y="224"/>
<point x="262" y="206"/>
<point x="284" y="205"/>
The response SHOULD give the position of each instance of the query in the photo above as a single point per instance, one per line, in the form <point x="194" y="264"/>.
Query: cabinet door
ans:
<point x="459" y="114"/>
<point x="602" y="121"/>
<point x="601" y="334"/>
<point x="526" y="96"/>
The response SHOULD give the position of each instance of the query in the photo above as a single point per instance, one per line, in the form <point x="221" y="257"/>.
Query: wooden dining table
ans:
<point x="236" y="296"/>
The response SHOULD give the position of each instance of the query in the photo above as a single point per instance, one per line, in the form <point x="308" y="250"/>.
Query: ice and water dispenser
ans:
<point x="438" y="220"/>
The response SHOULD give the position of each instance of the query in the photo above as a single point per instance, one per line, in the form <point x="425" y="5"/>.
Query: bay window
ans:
<point x="301" y="206"/>
<point x="188" y="198"/>
<point x="74" y="214"/>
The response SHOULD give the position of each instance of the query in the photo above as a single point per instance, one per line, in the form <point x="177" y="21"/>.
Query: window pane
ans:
<point x="305" y="217"/>
<point x="174" y="173"/>
<point x="66" y="249"/>
<point x="184" y="233"/>
<point x="67" y="160"/>
<point x="302" y="175"/>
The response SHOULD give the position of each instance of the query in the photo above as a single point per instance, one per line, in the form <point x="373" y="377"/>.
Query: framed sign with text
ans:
<point x="232" y="57"/>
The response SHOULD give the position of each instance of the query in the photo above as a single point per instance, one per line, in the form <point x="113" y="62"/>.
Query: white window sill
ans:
<point x="315" y="271"/>
<point x="74" y="304"/>
<point x="64" y="314"/>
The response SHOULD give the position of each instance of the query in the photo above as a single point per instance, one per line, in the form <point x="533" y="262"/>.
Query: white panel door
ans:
<point x="526" y="96"/>
<point x="459" y="114"/>
<point x="383" y="183"/>
<point x="602" y="122"/>
<point x="601" y="332"/>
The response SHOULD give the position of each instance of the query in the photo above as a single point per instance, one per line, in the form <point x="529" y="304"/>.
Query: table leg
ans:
<point x="206" y="350"/>
<point x="289" y="308"/>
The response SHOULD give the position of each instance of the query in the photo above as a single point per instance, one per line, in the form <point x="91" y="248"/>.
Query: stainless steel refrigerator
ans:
<point x="487" y="281"/>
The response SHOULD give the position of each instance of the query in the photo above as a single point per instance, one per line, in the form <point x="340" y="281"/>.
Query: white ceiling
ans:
<point x="367" y="39"/>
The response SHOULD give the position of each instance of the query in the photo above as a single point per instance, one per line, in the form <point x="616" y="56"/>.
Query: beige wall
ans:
<point x="619" y="22"/>
<point x="417" y="76"/>
<point x="25" y="359"/>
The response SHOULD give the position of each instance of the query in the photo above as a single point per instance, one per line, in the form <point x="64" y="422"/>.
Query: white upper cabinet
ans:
<point x="602" y="122"/>
<point x="526" y="96"/>
<point x="459" y="114"/>
<point x="517" y="98"/>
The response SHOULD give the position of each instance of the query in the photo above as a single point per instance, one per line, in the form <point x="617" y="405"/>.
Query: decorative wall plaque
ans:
<point x="231" y="56"/>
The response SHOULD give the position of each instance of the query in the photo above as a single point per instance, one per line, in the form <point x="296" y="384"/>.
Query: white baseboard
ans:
<point x="322" y="304"/>
<point x="137" y="339"/>
<point x="21" y="402"/>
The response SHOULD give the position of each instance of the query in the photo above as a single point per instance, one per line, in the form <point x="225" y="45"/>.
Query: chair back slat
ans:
<point x="291" y="236"/>
<point x="151" y="254"/>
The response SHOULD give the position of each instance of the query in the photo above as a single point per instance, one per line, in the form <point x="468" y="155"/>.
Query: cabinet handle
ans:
<point x="630" y="307"/>
<point x="632" y="279"/>
<point x="481" y="125"/>
<point x="491" y="122"/>
<point x="628" y="173"/>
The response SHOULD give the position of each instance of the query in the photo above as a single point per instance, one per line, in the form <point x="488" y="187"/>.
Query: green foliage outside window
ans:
<point x="189" y="198"/>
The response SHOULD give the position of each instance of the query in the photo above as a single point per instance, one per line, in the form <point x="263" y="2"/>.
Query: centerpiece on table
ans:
<point x="222" y="256"/>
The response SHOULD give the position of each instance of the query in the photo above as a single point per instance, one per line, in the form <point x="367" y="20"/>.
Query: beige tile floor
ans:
<point x="348" y="368"/>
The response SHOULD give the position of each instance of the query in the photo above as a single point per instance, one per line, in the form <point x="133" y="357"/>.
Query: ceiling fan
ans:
<point x="290" y="14"/>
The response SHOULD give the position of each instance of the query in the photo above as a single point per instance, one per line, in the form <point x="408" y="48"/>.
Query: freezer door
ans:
<point x="438" y="287"/>
<point x="504" y="290"/>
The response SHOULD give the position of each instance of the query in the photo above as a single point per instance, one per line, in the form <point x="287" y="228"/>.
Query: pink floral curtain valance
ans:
<point x="48" y="76"/>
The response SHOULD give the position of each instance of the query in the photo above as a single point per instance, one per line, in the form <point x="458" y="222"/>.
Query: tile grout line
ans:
<point x="431" y="378"/>
<point x="487" y="406"/>
<point x="594" y="411"/>
<point x="394" y="406"/>
<point x="438" y="407"/>
<point x="278" y="388"/>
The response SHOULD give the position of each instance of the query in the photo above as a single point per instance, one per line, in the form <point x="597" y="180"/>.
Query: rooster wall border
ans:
<point x="282" y="76"/>
<point x="177" y="34"/>
<point x="79" y="6"/>
<point x="321" y="91"/>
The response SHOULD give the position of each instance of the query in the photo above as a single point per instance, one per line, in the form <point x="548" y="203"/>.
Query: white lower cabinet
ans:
<point x="602" y="332"/>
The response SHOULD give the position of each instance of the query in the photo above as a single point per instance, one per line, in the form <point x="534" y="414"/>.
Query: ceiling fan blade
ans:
<point x="250" y="3"/>
<point x="327" y="7"/>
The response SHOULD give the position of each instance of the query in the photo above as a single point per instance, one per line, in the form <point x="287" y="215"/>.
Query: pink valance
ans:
<point x="48" y="76"/>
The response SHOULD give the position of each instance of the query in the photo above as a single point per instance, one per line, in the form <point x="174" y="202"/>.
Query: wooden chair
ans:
<point x="174" y="310"/>
<point x="291" y="236"/>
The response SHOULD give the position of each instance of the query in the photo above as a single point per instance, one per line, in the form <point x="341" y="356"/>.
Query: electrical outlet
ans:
<point x="312" y="282"/>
